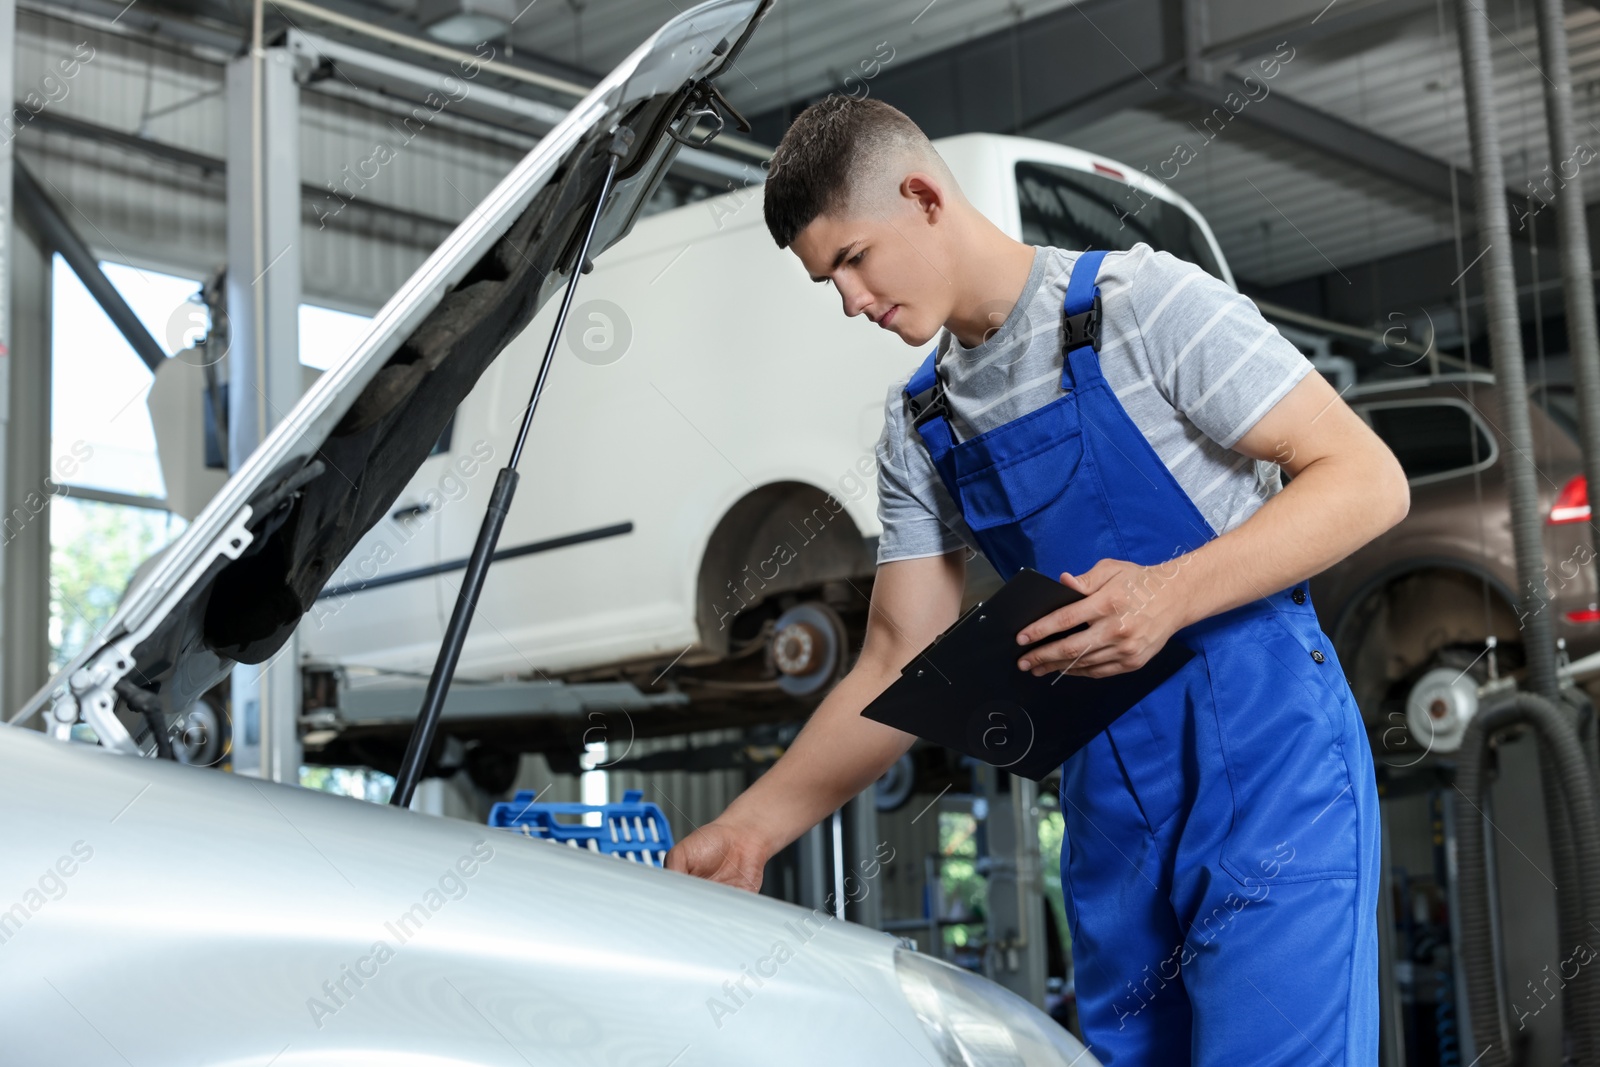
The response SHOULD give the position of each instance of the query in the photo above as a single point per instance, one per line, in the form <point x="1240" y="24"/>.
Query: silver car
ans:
<point x="158" y="913"/>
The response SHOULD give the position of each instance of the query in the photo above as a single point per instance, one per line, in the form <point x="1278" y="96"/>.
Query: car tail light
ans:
<point x="1586" y="615"/>
<point x="1572" y="503"/>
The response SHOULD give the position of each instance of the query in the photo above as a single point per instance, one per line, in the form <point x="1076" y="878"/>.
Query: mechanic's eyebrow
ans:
<point x="838" y="258"/>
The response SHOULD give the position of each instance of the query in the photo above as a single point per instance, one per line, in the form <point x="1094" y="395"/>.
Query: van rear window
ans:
<point x="1076" y="210"/>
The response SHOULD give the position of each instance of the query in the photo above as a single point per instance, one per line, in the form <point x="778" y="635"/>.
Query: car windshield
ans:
<point x="1074" y="209"/>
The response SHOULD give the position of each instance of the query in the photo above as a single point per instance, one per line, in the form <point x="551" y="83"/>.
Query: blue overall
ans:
<point x="1221" y="858"/>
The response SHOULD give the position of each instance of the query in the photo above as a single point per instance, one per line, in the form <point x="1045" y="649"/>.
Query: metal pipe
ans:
<point x="1344" y="329"/>
<point x="435" y="49"/>
<point x="1570" y="892"/>
<point x="1505" y="340"/>
<point x="729" y="142"/>
<point x="258" y="227"/>
<point x="1572" y="231"/>
<point x="59" y="235"/>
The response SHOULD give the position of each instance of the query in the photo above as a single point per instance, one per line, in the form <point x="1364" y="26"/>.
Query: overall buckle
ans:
<point x="1084" y="327"/>
<point x="928" y="404"/>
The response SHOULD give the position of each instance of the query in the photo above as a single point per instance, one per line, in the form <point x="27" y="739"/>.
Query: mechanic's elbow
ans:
<point x="1397" y="491"/>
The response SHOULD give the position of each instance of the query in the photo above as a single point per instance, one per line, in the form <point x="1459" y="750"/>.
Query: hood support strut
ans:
<point x="505" y="486"/>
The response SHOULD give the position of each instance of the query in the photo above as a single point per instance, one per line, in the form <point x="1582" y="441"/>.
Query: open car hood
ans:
<point x="233" y="587"/>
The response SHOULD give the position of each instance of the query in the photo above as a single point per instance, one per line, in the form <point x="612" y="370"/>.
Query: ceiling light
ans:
<point x="465" y="22"/>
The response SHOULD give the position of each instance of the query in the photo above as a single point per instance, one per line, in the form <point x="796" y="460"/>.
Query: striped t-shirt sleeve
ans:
<point x="910" y="528"/>
<point x="1212" y="355"/>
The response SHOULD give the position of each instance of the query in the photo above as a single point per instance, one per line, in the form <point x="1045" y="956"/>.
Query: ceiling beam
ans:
<point x="1282" y="116"/>
<point x="1310" y="23"/>
<point x="1080" y="64"/>
<point x="1088" y="60"/>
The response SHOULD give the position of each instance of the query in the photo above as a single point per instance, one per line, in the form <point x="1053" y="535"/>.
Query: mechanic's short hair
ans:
<point x="843" y="157"/>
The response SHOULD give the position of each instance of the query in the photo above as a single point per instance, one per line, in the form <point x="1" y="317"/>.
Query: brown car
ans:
<point x="1428" y="592"/>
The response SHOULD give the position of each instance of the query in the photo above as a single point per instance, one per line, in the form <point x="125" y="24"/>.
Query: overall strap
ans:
<point x="923" y="379"/>
<point x="1080" y="339"/>
<point x="925" y="403"/>
<point x="1080" y="319"/>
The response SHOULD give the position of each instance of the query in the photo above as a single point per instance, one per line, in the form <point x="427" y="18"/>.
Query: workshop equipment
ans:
<point x="1574" y="815"/>
<point x="635" y="829"/>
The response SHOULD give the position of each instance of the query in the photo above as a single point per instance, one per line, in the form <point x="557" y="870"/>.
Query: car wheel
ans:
<point x="808" y="648"/>
<point x="894" y="789"/>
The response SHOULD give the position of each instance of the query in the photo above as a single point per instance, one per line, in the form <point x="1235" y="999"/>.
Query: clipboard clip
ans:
<point x="965" y="615"/>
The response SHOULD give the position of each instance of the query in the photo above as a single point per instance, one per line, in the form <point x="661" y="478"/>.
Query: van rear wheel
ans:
<point x="807" y="648"/>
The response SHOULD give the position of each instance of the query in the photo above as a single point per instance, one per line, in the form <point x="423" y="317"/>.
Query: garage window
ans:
<point x="1432" y="439"/>
<point x="107" y="512"/>
<point x="327" y="336"/>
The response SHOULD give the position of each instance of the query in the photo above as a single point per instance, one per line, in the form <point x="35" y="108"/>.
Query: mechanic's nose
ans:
<point x="855" y="303"/>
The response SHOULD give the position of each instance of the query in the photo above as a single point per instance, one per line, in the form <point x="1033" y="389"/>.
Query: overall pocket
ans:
<point x="1294" y="804"/>
<point x="1014" y="487"/>
<point x="1152" y="740"/>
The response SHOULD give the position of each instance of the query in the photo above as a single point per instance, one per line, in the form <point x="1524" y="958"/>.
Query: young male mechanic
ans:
<point x="1222" y="852"/>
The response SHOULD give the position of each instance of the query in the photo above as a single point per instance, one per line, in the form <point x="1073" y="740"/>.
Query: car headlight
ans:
<point x="975" y="1023"/>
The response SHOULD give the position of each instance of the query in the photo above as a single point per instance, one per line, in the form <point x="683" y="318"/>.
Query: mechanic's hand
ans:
<point x="721" y="853"/>
<point x="1131" y="611"/>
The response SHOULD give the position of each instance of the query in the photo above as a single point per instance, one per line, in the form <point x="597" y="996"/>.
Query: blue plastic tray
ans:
<point x="633" y="829"/>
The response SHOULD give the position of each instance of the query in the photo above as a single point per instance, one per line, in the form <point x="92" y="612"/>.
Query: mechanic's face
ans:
<point x="883" y="266"/>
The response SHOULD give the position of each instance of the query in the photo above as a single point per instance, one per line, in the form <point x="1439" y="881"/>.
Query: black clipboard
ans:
<point x="966" y="692"/>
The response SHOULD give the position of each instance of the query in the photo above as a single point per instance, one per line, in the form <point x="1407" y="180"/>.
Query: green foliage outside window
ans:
<point x="95" y="548"/>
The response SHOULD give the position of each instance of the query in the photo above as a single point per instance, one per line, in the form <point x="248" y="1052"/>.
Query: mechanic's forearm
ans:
<point x="1330" y="509"/>
<point x="836" y="756"/>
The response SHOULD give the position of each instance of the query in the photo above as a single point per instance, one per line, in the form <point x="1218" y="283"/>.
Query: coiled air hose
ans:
<point x="1574" y="819"/>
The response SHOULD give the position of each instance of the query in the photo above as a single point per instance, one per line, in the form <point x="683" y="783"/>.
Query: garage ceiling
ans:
<point x="804" y="48"/>
<point x="1356" y="152"/>
<point x="1346" y="158"/>
<point x="1281" y="210"/>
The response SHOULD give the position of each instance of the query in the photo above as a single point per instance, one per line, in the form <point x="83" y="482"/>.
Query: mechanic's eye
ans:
<point x="857" y="257"/>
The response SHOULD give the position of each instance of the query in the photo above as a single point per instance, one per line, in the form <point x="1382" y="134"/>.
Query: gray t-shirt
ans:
<point x="1192" y="362"/>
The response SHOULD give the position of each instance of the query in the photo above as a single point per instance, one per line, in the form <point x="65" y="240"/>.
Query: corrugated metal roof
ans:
<point x="1280" y="210"/>
<point x="154" y="213"/>
<point x="1406" y="83"/>
<point x="1283" y="210"/>
<point x="800" y="48"/>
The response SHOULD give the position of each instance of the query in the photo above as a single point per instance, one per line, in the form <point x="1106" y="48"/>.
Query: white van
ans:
<point x="699" y="486"/>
